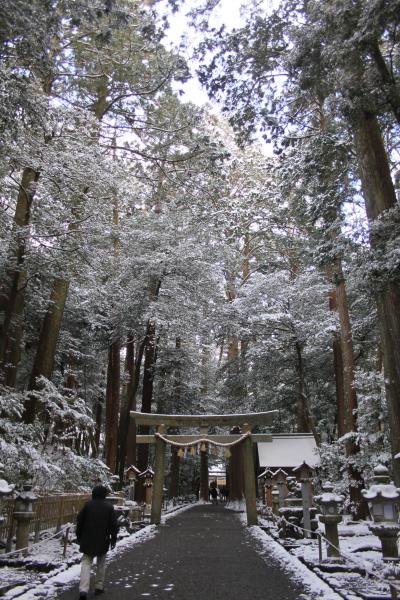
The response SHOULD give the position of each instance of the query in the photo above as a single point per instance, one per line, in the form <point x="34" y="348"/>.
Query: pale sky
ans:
<point x="228" y="13"/>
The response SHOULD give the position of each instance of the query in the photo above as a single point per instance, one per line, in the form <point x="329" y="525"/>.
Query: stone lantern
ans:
<point x="114" y="482"/>
<point x="267" y="476"/>
<point x="383" y="500"/>
<point x="279" y="477"/>
<point x="132" y="473"/>
<point x="275" y="500"/>
<point x="24" y="514"/>
<point x="268" y="485"/>
<point x="304" y="473"/>
<point x="330" y="505"/>
<point x="260" y="482"/>
<point x="147" y="477"/>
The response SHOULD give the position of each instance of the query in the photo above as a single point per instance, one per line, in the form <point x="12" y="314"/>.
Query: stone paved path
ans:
<point x="203" y="553"/>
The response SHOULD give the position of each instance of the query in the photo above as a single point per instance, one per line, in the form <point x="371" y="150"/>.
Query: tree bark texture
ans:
<point x="125" y="406"/>
<point x="12" y="295"/>
<point x="147" y="391"/>
<point x="388" y="80"/>
<point x="359" y="508"/>
<point x="46" y="350"/>
<point x="112" y="406"/>
<point x="338" y="368"/>
<point x="379" y="196"/>
<point x="301" y="406"/>
<point x="347" y="350"/>
<point x="236" y="489"/>
<point x="130" y="438"/>
<point x="98" y="419"/>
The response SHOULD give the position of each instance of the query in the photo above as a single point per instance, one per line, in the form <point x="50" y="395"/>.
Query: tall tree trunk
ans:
<point x="347" y="350"/>
<point x="338" y="367"/>
<point x="98" y="419"/>
<point x="130" y="437"/>
<point x="124" y="412"/>
<point x="379" y="196"/>
<point x="12" y="293"/>
<point x="301" y="407"/>
<point x="236" y="479"/>
<point x="112" y="406"/>
<point x="46" y="350"/>
<point x="359" y="509"/>
<point x="147" y="391"/>
<point x="388" y="79"/>
<point x="127" y="453"/>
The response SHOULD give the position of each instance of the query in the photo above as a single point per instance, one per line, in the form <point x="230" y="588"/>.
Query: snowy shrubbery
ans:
<point x="371" y="436"/>
<point x="44" y="451"/>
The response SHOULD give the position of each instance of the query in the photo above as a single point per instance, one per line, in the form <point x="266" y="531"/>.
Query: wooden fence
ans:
<point x="49" y="512"/>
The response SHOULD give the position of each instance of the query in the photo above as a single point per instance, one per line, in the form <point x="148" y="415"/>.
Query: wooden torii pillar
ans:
<point x="246" y="421"/>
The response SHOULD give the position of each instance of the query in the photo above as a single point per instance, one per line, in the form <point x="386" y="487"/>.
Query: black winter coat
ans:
<point x="96" y="527"/>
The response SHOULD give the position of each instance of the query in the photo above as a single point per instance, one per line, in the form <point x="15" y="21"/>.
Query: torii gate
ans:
<point x="245" y="421"/>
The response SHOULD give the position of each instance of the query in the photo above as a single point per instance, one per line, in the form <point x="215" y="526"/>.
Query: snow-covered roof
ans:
<point x="288" y="450"/>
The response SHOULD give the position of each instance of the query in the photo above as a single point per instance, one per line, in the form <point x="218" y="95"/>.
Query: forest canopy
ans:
<point x="168" y="257"/>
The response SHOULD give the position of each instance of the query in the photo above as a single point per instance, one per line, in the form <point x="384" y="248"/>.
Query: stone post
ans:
<point x="329" y="502"/>
<point x="304" y="474"/>
<point x="280" y="479"/>
<point x="268" y="485"/>
<point x="23" y="515"/>
<point x="204" y="467"/>
<point x="249" y="479"/>
<point x="158" y="482"/>
<point x="275" y="500"/>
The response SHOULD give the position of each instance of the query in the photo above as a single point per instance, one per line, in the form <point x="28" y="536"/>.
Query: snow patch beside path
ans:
<point x="267" y="546"/>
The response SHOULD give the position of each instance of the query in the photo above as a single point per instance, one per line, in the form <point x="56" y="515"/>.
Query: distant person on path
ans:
<point x="214" y="495"/>
<point x="96" y="529"/>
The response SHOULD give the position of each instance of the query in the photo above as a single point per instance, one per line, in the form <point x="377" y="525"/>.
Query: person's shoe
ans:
<point x="98" y="591"/>
<point x="82" y="596"/>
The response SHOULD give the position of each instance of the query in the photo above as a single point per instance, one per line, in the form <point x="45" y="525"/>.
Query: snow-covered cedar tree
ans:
<point x="43" y="453"/>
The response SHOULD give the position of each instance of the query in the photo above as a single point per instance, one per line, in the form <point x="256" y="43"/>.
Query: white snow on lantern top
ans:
<point x="328" y="495"/>
<point x="383" y="487"/>
<point x="381" y="470"/>
<point x="5" y="488"/>
<point x="383" y="490"/>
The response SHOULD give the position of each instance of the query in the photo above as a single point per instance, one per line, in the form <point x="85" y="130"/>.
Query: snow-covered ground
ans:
<point x="361" y="575"/>
<point x="300" y="559"/>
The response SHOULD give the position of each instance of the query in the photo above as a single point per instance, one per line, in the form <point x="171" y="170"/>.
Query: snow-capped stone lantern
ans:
<point x="383" y="500"/>
<point x="260" y="482"/>
<point x="275" y="500"/>
<point x="279" y="477"/>
<point x="114" y="482"/>
<point x="330" y="504"/>
<point x="304" y="473"/>
<point x="147" y="477"/>
<point x="132" y="473"/>
<point x="24" y="514"/>
<point x="266" y="478"/>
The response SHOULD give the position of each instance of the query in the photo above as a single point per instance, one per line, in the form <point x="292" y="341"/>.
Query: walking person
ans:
<point x="96" y="529"/>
